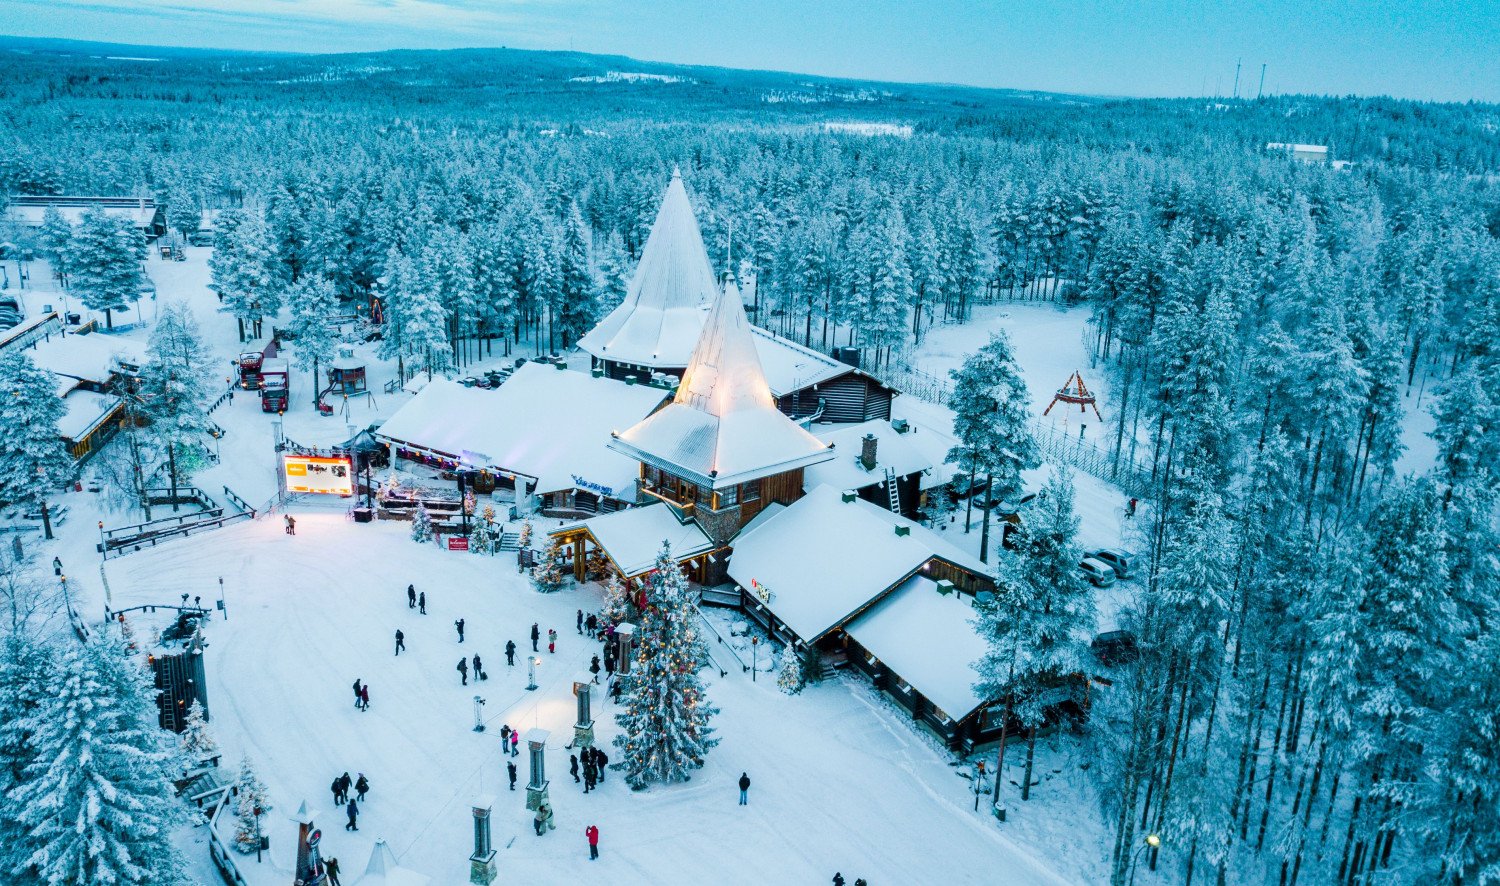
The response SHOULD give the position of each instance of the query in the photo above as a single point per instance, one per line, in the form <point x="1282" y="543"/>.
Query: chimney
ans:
<point x="867" y="451"/>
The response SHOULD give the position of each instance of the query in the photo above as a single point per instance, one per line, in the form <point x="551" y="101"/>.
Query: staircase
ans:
<point x="893" y="490"/>
<point x="510" y="541"/>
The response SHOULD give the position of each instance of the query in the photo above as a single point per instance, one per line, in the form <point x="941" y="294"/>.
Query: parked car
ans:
<point x="963" y="486"/>
<point x="1098" y="573"/>
<point x="1118" y="560"/>
<point x="202" y="238"/>
<point x="1115" y="647"/>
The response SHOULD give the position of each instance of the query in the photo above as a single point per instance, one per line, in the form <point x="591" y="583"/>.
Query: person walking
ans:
<point x="400" y="642"/>
<point x="594" y="668"/>
<point x="364" y="697"/>
<point x="510" y="770"/>
<point x="362" y="787"/>
<point x="344" y="784"/>
<point x="463" y="670"/>
<point x="609" y="666"/>
<point x="460" y="626"/>
<point x="356" y="693"/>
<point x="515" y="742"/>
<point x="592" y="832"/>
<point x="411" y="597"/>
<point x="744" y="789"/>
<point x="536" y="634"/>
<point x="573" y="767"/>
<point x="543" y="819"/>
<point x="600" y="761"/>
<point x="580" y="621"/>
<point x="353" y="812"/>
<point x="860" y="881"/>
<point x="504" y="738"/>
<point x="838" y="879"/>
<point x="551" y="641"/>
<point x="510" y="653"/>
<point x="331" y="868"/>
<point x="422" y="603"/>
<point x="590" y="773"/>
<point x="479" y="673"/>
<point x="592" y="624"/>
<point x="291" y="525"/>
<point x="338" y="792"/>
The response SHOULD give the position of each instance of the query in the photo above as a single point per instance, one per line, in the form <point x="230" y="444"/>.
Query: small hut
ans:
<point x="346" y="374"/>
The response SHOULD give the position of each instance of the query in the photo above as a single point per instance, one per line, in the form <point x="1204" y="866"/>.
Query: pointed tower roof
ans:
<point x="384" y="871"/>
<point x="673" y="286"/>
<point x="723" y="427"/>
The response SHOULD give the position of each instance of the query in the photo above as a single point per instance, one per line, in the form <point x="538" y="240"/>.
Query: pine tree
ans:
<point x="56" y="240"/>
<point x="578" y="305"/>
<point x="314" y="303"/>
<point x="104" y="263"/>
<point x="33" y="462"/>
<point x="246" y="271"/>
<point x="789" y="676"/>
<point x="97" y="805"/>
<point x="25" y="688"/>
<point x="421" y="525"/>
<point x="617" y="607"/>
<point x="484" y="538"/>
<point x="174" y="390"/>
<point x="196" y="741"/>
<point x="525" y="534"/>
<point x="251" y="795"/>
<point x="664" y="731"/>
<point x="992" y="420"/>
<point x="547" y="575"/>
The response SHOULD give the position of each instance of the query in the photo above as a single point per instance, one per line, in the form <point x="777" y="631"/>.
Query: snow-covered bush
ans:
<point x="250" y="794"/>
<point x="421" y="525"/>
<point x="789" y="676"/>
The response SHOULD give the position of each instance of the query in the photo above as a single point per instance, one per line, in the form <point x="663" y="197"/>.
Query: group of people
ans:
<point x="594" y="761"/>
<point x="361" y="695"/>
<point x="340" y="788"/>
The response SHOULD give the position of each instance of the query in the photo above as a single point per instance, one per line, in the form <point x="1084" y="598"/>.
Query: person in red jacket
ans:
<point x="592" y="832"/>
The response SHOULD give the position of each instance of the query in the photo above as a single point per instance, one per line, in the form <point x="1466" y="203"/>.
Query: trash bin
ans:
<point x="363" y="515"/>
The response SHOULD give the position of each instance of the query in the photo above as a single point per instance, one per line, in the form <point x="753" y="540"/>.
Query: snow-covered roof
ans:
<point x="659" y="319"/>
<point x="94" y="357"/>
<point x="824" y="559"/>
<point x="544" y="423"/>
<point x="893" y="449"/>
<point x="791" y="367"/>
<point x="86" y="410"/>
<point x="926" y="638"/>
<point x="723" y="426"/>
<point x="382" y="870"/>
<point x="930" y="431"/>
<point x="633" y="537"/>
<point x="140" y="212"/>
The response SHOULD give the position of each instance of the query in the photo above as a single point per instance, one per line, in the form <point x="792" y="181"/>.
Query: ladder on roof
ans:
<point x="895" y="493"/>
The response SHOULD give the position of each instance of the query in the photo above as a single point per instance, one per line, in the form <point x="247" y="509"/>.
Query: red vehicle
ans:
<point x="275" y="374"/>
<point x="250" y="370"/>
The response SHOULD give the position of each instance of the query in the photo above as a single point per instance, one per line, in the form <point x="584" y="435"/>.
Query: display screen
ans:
<point x="327" y="475"/>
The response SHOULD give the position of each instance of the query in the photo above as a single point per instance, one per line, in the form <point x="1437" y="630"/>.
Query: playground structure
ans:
<point x="1075" y="392"/>
<point x="346" y="378"/>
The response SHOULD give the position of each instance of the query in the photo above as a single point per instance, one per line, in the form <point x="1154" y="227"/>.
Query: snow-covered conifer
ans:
<point x="421" y="525"/>
<point x="33" y="462"/>
<point x="313" y="305"/>
<point x="789" y="676"/>
<point x="250" y="795"/>
<point x="548" y="575"/>
<point x="247" y="274"/>
<point x="174" y="389"/>
<point x="196" y="741"/>
<point x="104" y="263"/>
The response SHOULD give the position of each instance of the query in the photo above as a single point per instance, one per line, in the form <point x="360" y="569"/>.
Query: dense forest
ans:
<point x="1317" y="698"/>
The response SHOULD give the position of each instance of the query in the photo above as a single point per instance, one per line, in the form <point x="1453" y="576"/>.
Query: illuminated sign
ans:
<point x="589" y="486"/>
<point x="325" y="475"/>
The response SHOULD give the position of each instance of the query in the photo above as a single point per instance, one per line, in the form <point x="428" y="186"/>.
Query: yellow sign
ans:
<point x="325" y="475"/>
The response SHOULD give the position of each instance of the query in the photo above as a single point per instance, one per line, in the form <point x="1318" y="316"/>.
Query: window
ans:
<point x="728" y="497"/>
<point x="750" y="491"/>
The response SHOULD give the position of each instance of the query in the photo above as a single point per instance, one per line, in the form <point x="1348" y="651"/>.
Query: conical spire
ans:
<point x="382" y="860"/>
<point x="723" y="427"/>
<point x="663" y="308"/>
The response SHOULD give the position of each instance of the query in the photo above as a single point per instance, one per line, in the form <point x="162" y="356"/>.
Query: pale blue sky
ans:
<point x="1415" y="48"/>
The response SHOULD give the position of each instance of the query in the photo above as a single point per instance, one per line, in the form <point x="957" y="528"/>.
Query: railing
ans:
<point x="182" y="495"/>
<point x="915" y="382"/>
<point x="127" y="539"/>
<point x="720" y="637"/>
<point x="223" y="398"/>
<point x="1132" y="478"/>
<point x="244" y="506"/>
<point x="222" y="856"/>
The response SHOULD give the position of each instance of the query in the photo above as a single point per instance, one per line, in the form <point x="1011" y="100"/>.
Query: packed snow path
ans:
<point x="837" y="785"/>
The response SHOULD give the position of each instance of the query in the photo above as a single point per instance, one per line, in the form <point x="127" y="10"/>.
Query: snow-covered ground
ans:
<point x="840" y="782"/>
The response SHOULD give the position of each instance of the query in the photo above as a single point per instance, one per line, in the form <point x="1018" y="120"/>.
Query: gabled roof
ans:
<point x="671" y="291"/>
<point x="723" y="426"/>
<point x="824" y="559"/>
<point x="633" y="537"/>
<point x="893" y="449"/>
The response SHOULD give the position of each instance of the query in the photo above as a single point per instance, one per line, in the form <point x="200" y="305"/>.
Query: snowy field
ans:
<point x="840" y="783"/>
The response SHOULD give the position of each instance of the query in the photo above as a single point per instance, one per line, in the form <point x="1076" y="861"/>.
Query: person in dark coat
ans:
<point x="580" y="621"/>
<point x="504" y="737"/>
<point x="364" y="697"/>
<point x="422" y="603"/>
<point x="510" y="653"/>
<point x="592" y="623"/>
<point x="860" y="881"/>
<point x="463" y="670"/>
<point x="601" y="761"/>
<point x="594" y="668"/>
<point x="592" y="832"/>
<point x="400" y="642"/>
<point x="573" y="767"/>
<point x="609" y="664"/>
<point x="356" y="692"/>
<point x="536" y="634"/>
<point x="838" y="879"/>
<point x="338" y="792"/>
<point x="744" y="788"/>
<point x="460" y="626"/>
<point x="479" y="673"/>
<point x="590" y="773"/>
<point x="411" y="597"/>
<point x="331" y="868"/>
<point x="362" y="787"/>
<point x="353" y="811"/>
<point x="344" y="783"/>
<point x="510" y="770"/>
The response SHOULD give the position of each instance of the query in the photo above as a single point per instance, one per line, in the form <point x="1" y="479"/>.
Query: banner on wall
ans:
<point x="320" y="474"/>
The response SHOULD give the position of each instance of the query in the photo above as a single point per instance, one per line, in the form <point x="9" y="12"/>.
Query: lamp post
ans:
<point x="531" y="662"/>
<point x="1152" y="842"/>
<point x="259" y="840"/>
<point x="754" y="657"/>
<point x="478" y="713"/>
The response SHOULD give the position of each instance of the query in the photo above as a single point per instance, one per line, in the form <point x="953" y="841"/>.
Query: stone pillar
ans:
<point x="482" y="863"/>
<point x="536" y="787"/>
<point x="624" y="636"/>
<point x="583" y="729"/>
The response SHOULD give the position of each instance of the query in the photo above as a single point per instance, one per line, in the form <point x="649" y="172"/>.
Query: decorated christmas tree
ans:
<point x="421" y="525"/>
<point x="251" y="795"/>
<point x="483" y="538"/>
<point x="196" y="741"/>
<point x="789" y="677"/>
<point x="547" y="575"/>
<point x="526" y="533"/>
<point x="664" y="726"/>
<point x="617" y="606"/>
